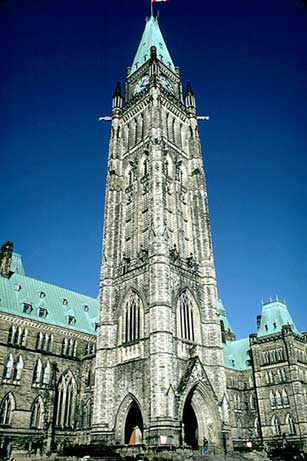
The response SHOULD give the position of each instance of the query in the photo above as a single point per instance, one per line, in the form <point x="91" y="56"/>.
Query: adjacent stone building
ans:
<point x="47" y="353"/>
<point x="168" y="369"/>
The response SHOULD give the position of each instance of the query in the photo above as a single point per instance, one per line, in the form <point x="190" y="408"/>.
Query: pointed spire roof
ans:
<point x="152" y="36"/>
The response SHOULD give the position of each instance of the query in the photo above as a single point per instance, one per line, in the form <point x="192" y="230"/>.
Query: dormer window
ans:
<point x="266" y="327"/>
<point x="65" y="302"/>
<point x="85" y="308"/>
<point x="42" y="294"/>
<point x="27" y="308"/>
<point x="274" y="324"/>
<point x="42" y="312"/>
<point x="17" y="287"/>
<point x="71" y="320"/>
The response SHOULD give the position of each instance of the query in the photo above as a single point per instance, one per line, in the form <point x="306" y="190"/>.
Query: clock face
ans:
<point x="141" y="85"/>
<point x="166" y="84"/>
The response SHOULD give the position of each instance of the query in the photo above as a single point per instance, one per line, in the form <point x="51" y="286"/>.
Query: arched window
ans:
<point x="252" y="401"/>
<point x="275" y="426"/>
<point x="187" y="317"/>
<point x="37" y="372"/>
<point x="37" y="415"/>
<point x="133" y="318"/>
<point x="272" y="399"/>
<point x="285" y="398"/>
<point x="257" y="427"/>
<point x="8" y="367"/>
<point x="278" y="399"/>
<point x="64" y="346"/>
<point x="23" y="339"/>
<point x="66" y="400"/>
<point x="46" y="374"/>
<point x="18" y="366"/>
<point x="11" y="335"/>
<point x="290" y="425"/>
<point x="39" y="341"/>
<point x="6" y="409"/>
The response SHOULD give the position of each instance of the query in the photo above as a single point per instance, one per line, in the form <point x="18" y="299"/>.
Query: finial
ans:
<point x="189" y="91"/>
<point x="117" y="91"/>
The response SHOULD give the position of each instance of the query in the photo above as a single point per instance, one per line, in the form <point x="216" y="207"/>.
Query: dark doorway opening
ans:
<point x="190" y="425"/>
<point x="134" y="418"/>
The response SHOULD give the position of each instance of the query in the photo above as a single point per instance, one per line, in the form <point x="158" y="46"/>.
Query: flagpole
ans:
<point x="151" y="8"/>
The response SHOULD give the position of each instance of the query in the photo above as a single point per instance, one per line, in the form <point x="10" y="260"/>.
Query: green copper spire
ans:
<point x="152" y="37"/>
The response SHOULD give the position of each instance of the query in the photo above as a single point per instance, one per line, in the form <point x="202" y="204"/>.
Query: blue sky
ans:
<point x="248" y="67"/>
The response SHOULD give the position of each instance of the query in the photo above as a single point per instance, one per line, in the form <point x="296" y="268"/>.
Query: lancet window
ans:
<point x="8" y="367"/>
<point x="6" y="410"/>
<point x="290" y="425"/>
<point x="37" y="415"/>
<point x="187" y="317"/>
<point x="133" y="318"/>
<point x="66" y="401"/>
<point x="275" y="426"/>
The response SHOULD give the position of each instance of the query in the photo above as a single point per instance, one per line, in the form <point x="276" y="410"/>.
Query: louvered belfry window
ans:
<point x="186" y="317"/>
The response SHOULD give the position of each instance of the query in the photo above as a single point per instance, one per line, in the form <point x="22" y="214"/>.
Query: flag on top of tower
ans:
<point x="158" y="1"/>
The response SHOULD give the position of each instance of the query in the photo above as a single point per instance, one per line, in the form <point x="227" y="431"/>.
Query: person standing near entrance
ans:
<point x="205" y="445"/>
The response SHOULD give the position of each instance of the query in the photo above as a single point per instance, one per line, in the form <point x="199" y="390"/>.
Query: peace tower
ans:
<point x="159" y="365"/>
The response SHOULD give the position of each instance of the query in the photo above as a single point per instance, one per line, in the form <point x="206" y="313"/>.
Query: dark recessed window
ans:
<point x="42" y="312"/>
<point x="65" y="301"/>
<point x="17" y="287"/>
<point x="27" y="308"/>
<point x="42" y="294"/>
<point x="86" y="308"/>
<point x="71" y="320"/>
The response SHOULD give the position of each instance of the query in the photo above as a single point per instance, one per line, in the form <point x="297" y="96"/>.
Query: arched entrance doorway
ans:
<point x="190" y="424"/>
<point x="134" y="425"/>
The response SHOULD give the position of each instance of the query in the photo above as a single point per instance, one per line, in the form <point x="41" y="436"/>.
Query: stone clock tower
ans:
<point x="160" y="376"/>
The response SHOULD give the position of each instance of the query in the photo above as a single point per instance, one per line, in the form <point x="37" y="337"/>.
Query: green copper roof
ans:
<point x="236" y="354"/>
<point x="152" y="37"/>
<point x="223" y="316"/>
<point x="59" y="302"/>
<point x="274" y="316"/>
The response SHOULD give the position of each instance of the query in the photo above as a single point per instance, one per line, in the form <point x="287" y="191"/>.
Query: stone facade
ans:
<point x="159" y="347"/>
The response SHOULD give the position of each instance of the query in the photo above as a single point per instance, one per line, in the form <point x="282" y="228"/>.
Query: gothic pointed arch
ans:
<point x="47" y="373"/>
<point x="199" y="415"/>
<point x="188" y="317"/>
<point x="129" y="415"/>
<point x="18" y="367"/>
<point x="8" y="367"/>
<point x="290" y="424"/>
<point x="7" y="408"/>
<point x="66" y="400"/>
<point x="131" y="324"/>
<point x="275" y="424"/>
<point x="37" y="413"/>
<point x="37" y="372"/>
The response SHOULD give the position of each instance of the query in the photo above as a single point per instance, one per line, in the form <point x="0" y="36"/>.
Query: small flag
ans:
<point x="158" y="1"/>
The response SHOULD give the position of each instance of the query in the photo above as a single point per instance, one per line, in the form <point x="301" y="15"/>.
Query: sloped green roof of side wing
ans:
<point x="152" y="36"/>
<point x="60" y="304"/>
<point x="236" y="354"/>
<point x="275" y="315"/>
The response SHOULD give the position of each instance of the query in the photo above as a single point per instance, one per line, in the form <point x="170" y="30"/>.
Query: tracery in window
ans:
<point x="66" y="400"/>
<point x="132" y="320"/>
<point x="188" y="320"/>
